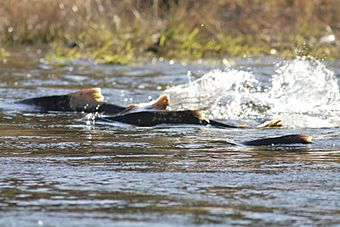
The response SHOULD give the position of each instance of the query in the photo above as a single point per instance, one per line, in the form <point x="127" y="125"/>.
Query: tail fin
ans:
<point x="275" y="123"/>
<point x="161" y="103"/>
<point x="200" y="116"/>
<point x="288" y="139"/>
<point x="89" y="94"/>
<point x="86" y="98"/>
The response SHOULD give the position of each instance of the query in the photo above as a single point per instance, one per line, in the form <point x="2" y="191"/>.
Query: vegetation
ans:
<point x="122" y="31"/>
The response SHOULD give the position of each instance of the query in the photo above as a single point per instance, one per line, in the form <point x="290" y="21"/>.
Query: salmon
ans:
<point x="149" y="114"/>
<point x="89" y="100"/>
<point x="152" y="118"/>
<point x="280" y="140"/>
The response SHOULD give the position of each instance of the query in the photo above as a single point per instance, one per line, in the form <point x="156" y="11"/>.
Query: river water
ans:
<point x="63" y="169"/>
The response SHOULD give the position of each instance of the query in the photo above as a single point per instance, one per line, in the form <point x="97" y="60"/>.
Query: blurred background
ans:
<point x="115" y="29"/>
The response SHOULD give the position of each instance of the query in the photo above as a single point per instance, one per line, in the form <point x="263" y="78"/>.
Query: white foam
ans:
<point x="302" y="92"/>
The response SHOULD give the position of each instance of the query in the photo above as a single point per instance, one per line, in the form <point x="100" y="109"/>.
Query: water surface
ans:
<point x="62" y="169"/>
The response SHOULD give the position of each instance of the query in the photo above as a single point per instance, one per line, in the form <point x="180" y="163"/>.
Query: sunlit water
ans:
<point x="62" y="169"/>
<point x="302" y="92"/>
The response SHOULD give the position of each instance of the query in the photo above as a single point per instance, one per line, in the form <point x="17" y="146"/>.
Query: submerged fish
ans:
<point x="88" y="100"/>
<point x="281" y="140"/>
<point x="153" y="113"/>
<point x="196" y="117"/>
<point x="152" y="118"/>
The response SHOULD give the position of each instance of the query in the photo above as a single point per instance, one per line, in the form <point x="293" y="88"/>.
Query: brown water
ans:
<point x="60" y="169"/>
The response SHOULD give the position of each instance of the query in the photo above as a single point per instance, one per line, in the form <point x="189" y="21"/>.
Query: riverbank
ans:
<point x="121" y="32"/>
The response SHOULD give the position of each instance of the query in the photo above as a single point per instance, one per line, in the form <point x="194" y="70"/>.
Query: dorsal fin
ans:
<point x="161" y="103"/>
<point x="200" y="116"/>
<point x="86" y="98"/>
<point x="94" y="94"/>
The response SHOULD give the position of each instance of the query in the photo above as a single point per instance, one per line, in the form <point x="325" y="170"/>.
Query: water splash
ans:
<point x="302" y="92"/>
<point x="303" y="86"/>
<point x="306" y="94"/>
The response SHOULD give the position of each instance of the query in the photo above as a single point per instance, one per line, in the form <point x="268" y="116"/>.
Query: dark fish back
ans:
<point x="49" y="103"/>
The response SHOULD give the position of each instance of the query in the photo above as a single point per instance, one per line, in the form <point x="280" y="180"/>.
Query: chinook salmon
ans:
<point x="148" y="114"/>
<point x="89" y="100"/>
<point x="280" y="140"/>
<point x="153" y="118"/>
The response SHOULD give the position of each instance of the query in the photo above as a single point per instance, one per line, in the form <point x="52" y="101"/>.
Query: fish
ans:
<point x="89" y="100"/>
<point x="149" y="118"/>
<point x="280" y="140"/>
<point x="153" y="118"/>
<point x="155" y="112"/>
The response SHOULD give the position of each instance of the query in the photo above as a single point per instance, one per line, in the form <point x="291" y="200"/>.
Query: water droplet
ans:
<point x="226" y="62"/>
<point x="273" y="51"/>
<point x="74" y="8"/>
<point x="328" y="39"/>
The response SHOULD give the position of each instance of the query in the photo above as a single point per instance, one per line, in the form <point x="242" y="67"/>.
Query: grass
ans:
<point x="3" y="53"/>
<point x="124" y="31"/>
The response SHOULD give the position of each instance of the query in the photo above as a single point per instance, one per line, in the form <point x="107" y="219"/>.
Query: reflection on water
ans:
<point x="58" y="168"/>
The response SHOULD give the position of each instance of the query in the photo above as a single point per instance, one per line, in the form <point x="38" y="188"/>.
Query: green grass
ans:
<point x="3" y="53"/>
<point x="126" y="31"/>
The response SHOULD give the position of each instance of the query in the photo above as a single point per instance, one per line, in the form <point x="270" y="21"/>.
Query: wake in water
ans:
<point x="303" y="93"/>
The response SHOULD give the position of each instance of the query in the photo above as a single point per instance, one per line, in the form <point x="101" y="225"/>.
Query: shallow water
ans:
<point x="61" y="169"/>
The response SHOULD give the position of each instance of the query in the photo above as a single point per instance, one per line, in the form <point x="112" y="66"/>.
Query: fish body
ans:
<point x="49" y="103"/>
<point x="152" y="118"/>
<point x="281" y="140"/>
<point x="149" y="114"/>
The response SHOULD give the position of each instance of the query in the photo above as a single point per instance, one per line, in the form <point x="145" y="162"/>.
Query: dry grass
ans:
<point x="172" y="27"/>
